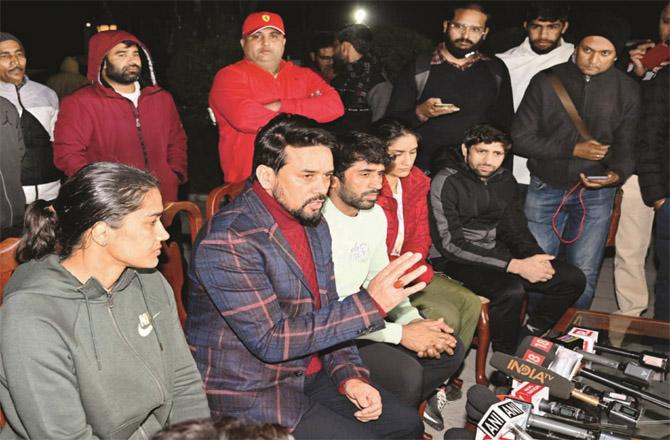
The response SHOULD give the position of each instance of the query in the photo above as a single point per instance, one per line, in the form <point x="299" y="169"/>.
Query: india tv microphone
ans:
<point x="506" y="415"/>
<point x="522" y="370"/>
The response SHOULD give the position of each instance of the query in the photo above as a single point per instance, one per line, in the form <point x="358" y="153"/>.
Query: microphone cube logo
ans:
<point x="496" y="422"/>
<point x="533" y="357"/>
<point x="541" y="344"/>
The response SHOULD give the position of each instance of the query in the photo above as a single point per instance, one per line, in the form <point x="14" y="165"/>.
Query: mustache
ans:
<point x="463" y="40"/>
<point x="317" y="198"/>
<point x="374" y="191"/>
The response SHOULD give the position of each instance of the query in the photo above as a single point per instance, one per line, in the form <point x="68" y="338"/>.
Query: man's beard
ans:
<point x="300" y="214"/>
<point x="121" y="76"/>
<point x="547" y="49"/>
<point x="357" y="201"/>
<point x="457" y="52"/>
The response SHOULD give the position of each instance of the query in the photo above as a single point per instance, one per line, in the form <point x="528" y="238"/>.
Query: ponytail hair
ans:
<point x="39" y="236"/>
<point x="99" y="192"/>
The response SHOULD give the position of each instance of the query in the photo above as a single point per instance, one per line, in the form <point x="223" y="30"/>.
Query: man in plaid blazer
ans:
<point x="271" y="340"/>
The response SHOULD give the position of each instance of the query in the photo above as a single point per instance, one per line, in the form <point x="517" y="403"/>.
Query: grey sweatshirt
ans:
<point x="79" y="363"/>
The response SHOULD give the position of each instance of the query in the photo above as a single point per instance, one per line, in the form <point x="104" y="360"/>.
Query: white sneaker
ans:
<point x="432" y="415"/>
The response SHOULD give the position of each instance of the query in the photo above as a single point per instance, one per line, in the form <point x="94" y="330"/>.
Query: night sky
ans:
<point x="52" y="29"/>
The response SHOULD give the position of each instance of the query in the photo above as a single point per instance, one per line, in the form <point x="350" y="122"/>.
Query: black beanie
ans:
<point x="6" y="36"/>
<point x="609" y="26"/>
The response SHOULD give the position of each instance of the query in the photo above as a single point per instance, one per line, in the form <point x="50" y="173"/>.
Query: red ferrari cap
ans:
<point x="261" y="20"/>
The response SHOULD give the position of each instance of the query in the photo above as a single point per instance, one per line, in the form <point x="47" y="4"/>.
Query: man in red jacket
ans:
<point x="247" y="94"/>
<point x="123" y="116"/>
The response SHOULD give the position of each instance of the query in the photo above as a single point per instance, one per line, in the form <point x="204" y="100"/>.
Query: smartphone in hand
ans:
<point x="655" y="56"/>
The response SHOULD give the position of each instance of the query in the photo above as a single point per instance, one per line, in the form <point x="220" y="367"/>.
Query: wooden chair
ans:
<point x="483" y="339"/>
<point x="8" y="264"/>
<point x="7" y="261"/>
<point x="614" y="220"/>
<point x="172" y="264"/>
<point x="221" y="194"/>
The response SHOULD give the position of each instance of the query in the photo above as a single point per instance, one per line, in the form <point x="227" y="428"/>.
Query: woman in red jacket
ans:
<point x="404" y="198"/>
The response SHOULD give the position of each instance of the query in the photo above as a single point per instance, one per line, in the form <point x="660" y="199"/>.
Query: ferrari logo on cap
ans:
<point x="265" y="18"/>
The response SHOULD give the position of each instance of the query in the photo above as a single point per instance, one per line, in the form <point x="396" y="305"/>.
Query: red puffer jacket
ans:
<point x="415" y="189"/>
<point x="97" y="124"/>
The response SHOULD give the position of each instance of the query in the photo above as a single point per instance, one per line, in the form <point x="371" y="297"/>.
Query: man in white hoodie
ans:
<point x="544" y="47"/>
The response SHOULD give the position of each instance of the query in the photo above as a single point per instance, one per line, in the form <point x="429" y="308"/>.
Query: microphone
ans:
<point x="649" y="359"/>
<point x="615" y="384"/>
<point x="505" y="415"/>
<point x="566" y="411"/>
<point x="560" y="386"/>
<point x="498" y="417"/>
<point x="525" y="371"/>
<point x="548" y="354"/>
<point x="638" y="375"/>
<point x="459" y="434"/>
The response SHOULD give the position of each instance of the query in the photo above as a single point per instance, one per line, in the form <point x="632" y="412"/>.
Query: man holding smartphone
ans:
<point x="608" y="102"/>
<point x="454" y="88"/>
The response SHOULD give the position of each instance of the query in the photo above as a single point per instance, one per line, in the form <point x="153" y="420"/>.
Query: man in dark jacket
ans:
<point x="269" y="336"/>
<point x="479" y="228"/>
<point x="123" y="116"/>
<point x="454" y="88"/>
<point x="12" y="198"/>
<point x="360" y="82"/>
<point x="559" y="157"/>
<point x="654" y="146"/>
<point x="37" y="106"/>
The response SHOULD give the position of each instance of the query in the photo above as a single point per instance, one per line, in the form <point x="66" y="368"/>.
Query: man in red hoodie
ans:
<point x="246" y="95"/>
<point x="123" y="116"/>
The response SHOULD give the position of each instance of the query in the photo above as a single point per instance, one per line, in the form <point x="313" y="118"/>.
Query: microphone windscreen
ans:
<point x="459" y="434"/>
<point x="526" y="371"/>
<point x="481" y="398"/>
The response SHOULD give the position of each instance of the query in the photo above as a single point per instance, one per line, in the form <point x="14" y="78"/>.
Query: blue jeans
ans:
<point x="587" y="252"/>
<point x="662" y="245"/>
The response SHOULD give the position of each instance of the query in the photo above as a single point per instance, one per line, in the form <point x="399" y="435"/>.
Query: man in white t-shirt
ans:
<point x="544" y="47"/>
<point x="411" y="356"/>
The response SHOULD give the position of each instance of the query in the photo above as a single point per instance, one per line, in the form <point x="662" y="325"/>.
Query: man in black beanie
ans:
<point x="560" y="158"/>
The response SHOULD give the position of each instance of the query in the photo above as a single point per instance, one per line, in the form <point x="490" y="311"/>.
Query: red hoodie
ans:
<point x="415" y="189"/>
<point x="97" y="124"/>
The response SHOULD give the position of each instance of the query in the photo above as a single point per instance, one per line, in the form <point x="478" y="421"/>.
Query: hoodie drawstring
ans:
<point x="90" y="326"/>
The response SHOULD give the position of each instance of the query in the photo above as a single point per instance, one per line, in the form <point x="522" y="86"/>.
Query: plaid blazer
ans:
<point x="252" y="324"/>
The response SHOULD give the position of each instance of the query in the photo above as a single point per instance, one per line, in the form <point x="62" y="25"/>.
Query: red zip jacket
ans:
<point x="238" y="94"/>
<point x="415" y="189"/>
<point x="97" y="124"/>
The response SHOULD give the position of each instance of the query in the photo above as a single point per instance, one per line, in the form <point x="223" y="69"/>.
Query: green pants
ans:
<point x="447" y="298"/>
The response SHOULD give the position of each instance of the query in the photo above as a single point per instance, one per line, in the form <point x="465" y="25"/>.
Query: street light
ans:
<point x="360" y="15"/>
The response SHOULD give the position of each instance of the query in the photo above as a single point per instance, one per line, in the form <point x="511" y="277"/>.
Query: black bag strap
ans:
<point x="569" y="106"/>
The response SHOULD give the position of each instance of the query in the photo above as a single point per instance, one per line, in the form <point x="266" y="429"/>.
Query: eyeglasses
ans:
<point x="462" y="28"/>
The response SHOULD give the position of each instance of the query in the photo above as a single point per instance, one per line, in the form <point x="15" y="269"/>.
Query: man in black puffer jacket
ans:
<point x="560" y="157"/>
<point x="480" y="230"/>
